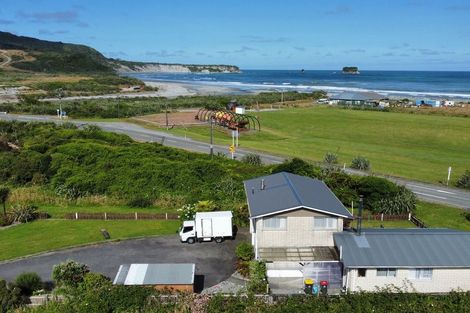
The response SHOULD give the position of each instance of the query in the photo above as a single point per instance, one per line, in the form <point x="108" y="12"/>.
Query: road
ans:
<point x="427" y="192"/>
<point x="214" y="262"/>
<point x="7" y="58"/>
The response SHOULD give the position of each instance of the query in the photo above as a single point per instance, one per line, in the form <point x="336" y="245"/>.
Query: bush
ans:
<point x="374" y="189"/>
<point x="241" y="216"/>
<point x="69" y="273"/>
<point x="23" y="213"/>
<point x="252" y="159"/>
<point x="464" y="180"/>
<point x="28" y="283"/>
<point x="360" y="163"/>
<point x="257" y="283"/>
<point x="244" y="251"/>
<point x="187" y="212"/>
<point x="140" y="202"/>
<point x="402" y="202"/>
<point x="299" y="167"/>
<point x="10" y="297"/>
<point x="330" y="158"/>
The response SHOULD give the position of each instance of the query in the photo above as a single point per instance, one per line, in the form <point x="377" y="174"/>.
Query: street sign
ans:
<point x="231" y="149"/>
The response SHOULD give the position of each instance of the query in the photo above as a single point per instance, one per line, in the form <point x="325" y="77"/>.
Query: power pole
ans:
<point x="166" y="115"/>
<point x="212" y="137"/>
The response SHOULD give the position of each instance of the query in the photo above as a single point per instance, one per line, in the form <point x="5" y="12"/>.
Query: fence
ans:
<point x="121" y="216"/>
<point x="395" y="217"/>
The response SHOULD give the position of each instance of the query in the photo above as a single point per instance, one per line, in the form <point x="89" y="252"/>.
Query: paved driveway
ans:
<point x="214" y="262"/>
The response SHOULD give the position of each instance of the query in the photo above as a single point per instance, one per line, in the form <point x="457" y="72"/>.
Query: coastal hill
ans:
<point x="35" y="55"/>
<point x="129" y="66"/>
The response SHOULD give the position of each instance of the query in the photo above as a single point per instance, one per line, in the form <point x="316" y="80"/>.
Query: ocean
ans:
<point x="441" y="85"/>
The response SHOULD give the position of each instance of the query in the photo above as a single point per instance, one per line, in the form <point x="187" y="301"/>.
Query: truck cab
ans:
<point x="188" y="232"/>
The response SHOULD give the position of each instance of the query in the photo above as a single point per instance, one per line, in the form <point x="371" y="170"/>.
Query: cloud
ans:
<point x="338" y="10"/>
<point x="425" y="51"/>
<point x="244" y="49"/>
<point x="354" y="51"/>
<point x="459" y="8"/>
<point x="261" y="39"/>
<point x="65" y="17"/>
<point x="51" y="32"/>
<point x="165" y="53"/>
<point x="6" y="22"/>
<point x="299" y="48"/>
<point x="116" y="54"/>
<point x="388" y="54"/>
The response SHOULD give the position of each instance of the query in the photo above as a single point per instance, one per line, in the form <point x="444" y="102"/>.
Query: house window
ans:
<point x="321" y="222"/>
<point x="386" y="272"/>
<point x="275" y="223"/>
<point x="421" y="274"/>
<point x="361" y="272"/>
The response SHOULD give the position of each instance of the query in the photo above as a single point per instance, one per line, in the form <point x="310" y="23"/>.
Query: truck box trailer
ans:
<point x="207" y="226"/>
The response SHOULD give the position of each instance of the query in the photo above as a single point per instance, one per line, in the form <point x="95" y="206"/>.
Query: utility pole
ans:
<point x="212" y="137"/>
<point x="359" y="217"/>
<point x="59" y="95"/>
<point x="166" y="115"/>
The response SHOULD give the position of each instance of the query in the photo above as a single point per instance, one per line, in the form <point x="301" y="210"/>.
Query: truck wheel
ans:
<point x="190" y="241"/>
<point x="219" y="239"/>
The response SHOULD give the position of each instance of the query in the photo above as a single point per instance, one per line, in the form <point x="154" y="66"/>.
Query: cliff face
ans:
<point x="141" y="67"/>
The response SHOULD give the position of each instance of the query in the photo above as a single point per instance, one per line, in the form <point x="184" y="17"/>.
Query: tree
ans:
<point x="4" y="195"/>
<point x="297" y="166"/>
<point x="28" y="283"/>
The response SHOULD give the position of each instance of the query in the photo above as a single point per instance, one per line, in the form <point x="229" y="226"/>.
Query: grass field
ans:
<point x="419" y="147"/>
<point x="58" y="211"/>
<point x="44" y="235"/>
<point x="436" y="215"/>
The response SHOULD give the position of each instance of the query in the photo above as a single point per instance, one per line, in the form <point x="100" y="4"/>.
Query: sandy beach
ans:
<point x="172" y="89"/>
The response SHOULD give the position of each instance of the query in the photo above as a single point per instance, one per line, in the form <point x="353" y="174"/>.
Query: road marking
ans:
<point x="427" y="188"/>
<point x="428" y="195"/>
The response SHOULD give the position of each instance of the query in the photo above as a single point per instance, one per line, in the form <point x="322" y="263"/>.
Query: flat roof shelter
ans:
<point x="164" y="276"/>
<point x="357" y="98"/>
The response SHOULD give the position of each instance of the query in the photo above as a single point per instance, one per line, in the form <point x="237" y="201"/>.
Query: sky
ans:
<point x="258" y="34"/>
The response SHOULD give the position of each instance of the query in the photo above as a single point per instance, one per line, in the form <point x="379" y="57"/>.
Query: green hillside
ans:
<point x="54" y="57"/>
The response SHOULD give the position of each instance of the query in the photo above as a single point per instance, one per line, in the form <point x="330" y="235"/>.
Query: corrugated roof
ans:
<point x="405" y="248"/>
<point x="358" y="96"/>
<point x="156" y="274"/>
<point x="285" y="191"/>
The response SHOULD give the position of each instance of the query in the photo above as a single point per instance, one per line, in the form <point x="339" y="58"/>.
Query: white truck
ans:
<point x="207" y="226"/>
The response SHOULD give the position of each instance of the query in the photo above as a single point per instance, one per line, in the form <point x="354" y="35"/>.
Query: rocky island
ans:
<point x="350" y="70"/>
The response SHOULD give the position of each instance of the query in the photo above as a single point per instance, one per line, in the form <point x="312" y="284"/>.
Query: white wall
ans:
<point x="298" y="233"/>
<point x="443" y="280"/>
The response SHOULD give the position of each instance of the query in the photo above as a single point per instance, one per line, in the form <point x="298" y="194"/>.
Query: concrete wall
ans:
<point x="443" y="280"/>
<point x="298" y="233"/>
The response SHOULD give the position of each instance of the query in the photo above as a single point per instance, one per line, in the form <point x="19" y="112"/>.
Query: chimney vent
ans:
<point x="359" y="218"/>
<point x="263" y="186"/>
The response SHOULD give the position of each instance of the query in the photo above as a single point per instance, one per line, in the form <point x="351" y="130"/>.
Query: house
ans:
<point x="164" y="276"/>
<point x="292" y="222"/>
<point x="301" y="230"/>
<point x="349" y="98"/>
<point x="416" y="259"/>
<point x="428" y="103"/>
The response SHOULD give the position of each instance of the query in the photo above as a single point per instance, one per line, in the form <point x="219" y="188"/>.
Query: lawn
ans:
<point x="45" y="235"/>
<point x="437" y="215"/>
<point x="420" y="147"/>
<point x="58" y="211"/>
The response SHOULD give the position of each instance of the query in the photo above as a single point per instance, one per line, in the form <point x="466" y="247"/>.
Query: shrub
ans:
<point x="244" y="251"/>
<point x="23" y="213"/>
<point x="330" y="158"/>
<point x="464" y="180"/>
<point x="402" y="202"/>
<point x="187" y="212"/>
<point x="140" y="202"/>
<point x="10" y="297"/>
<point x="467" y="215"/>
<point x="252" y="159"/>
<point x="69" y="273"/>
<point x="360" y="163"/>
<point x="375" y="189"/>
<point x="299" y="167"/>
<point x="241" y="216"/>
<point x="205" y="206"/>
<point x="4" y="195"/>
<point x="28" y="283"/>
<point x="257" y="283"/>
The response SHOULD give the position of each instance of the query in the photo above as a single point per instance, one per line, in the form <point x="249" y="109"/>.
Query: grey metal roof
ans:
<point x="156" y="274"/>
<point x="358" y="96"/>
<point x="412" y="247"/>
<point x="285" y="191"/>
